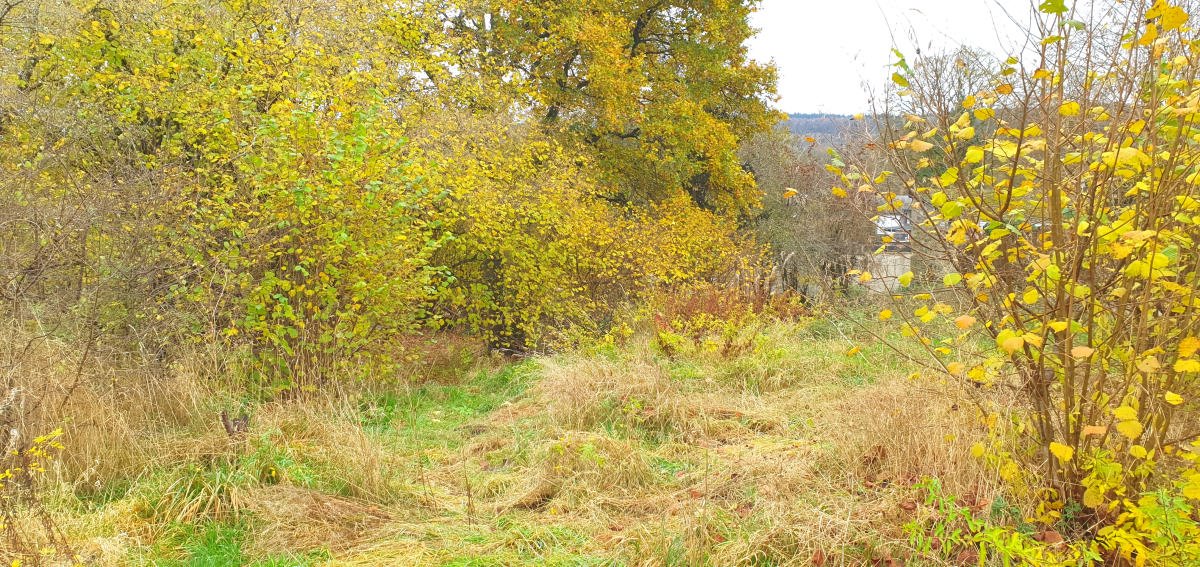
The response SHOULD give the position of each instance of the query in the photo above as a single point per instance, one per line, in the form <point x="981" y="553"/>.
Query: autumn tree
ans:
<point x="658" y="92"/>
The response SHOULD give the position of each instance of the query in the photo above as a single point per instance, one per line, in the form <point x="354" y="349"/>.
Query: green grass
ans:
<point x="434" y="410"/>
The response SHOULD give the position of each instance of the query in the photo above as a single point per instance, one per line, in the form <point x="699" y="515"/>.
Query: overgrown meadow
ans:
<point x="480" y="282"/>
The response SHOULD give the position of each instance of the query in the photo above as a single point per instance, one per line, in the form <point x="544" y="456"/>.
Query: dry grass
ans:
<point x="293" y="519"/>
<point x="634" y="459"/>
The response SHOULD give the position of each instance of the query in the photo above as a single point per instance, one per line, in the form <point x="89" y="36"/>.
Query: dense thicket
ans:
<point x="312" y="179"/>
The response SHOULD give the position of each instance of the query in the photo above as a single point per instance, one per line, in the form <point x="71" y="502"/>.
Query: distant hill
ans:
<point x="818" y="125"/>
<point x="827" y="130"/>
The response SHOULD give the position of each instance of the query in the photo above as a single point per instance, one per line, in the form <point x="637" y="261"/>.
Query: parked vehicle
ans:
<point x="898" y="228"/>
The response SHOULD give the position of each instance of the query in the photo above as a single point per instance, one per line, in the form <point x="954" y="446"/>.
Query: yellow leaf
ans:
<point x="951" y="280"/>
<point x="977" y="450"/>
<point x="1172" y="16"/>
<point x="1173" y="398"/>
<point x="966" y="133"/>
<point x="885" y="314"/>
<point x="1093" y="497"/>
<point x="1125" y="413"/>
<point x="1189" y="346"/>
<point x="920" y="146"/>
<point x="1062" y="452"/>
<point x="1004" y="89"/>
<point x="789" y="193"/>
<point x="905" y="279"/>
<point x="1012" y="344"/>
<point x="1082" y="351"/>
<point x="1030" y="296"/>
<point x="1192" y="488"/>
<point x="1131" y="429"/>
<point x="1138" y="451"/>
<point x="968" y="102"/>
<point x="1059" y="326"/>
<point x="964" y="322"/>
<point x="1070" y="108"/>
<point x="974" y="154"/>
<point x="1150" y="35"/>
<point x="839" y="192"/>
<point x="1149" y="365"/>
<point x="1187" y="365"/>
<point x="853" y="351"/>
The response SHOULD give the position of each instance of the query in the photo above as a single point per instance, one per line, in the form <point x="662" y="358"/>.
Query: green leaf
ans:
<point x="952" y="210"/>
<point x="1053" y="7"/>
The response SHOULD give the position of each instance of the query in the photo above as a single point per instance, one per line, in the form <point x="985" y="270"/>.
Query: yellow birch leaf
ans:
<point x="1082" y="351"/>
<point x="1173" y="398"/>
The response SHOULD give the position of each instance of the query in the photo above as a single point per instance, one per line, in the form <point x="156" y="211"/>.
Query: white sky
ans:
<point x="826" y="50"/>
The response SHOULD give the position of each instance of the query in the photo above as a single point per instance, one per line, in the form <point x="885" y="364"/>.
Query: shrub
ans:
<point x="1061" y="197"/>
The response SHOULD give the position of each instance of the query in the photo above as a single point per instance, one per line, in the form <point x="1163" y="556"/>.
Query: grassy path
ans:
<point x="789" y="453"/>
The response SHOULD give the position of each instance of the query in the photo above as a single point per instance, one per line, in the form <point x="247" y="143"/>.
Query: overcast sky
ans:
<point x="827" y="49"/>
